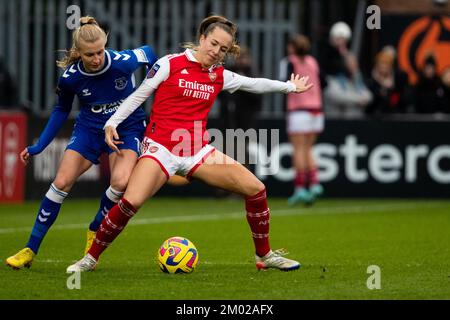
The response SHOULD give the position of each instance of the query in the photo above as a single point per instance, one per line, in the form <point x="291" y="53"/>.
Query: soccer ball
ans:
<point x="177" y="255"/>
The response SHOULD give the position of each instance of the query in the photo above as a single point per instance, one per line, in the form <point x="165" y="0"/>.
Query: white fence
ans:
<point x="32" y="32"/>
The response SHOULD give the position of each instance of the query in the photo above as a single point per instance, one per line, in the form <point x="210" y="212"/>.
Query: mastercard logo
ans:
<point x="424" y="36"/>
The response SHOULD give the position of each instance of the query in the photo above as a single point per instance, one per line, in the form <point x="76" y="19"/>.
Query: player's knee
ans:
<point x="134" y="201"/>
<point x="119" y="183"/>
<point x="63" y="183"/>
<point x="256" y="187"/>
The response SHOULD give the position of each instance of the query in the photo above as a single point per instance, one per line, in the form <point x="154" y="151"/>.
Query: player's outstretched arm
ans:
<point x="234" y="81"/>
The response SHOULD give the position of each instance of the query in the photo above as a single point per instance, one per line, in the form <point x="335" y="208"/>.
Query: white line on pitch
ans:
<point x="239" y="215"/>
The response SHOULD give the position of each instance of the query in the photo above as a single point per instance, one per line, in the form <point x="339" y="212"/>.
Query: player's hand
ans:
<point x="112" y="138"/>
<point x="301" y="83"/>
<point x="25" y="156"/>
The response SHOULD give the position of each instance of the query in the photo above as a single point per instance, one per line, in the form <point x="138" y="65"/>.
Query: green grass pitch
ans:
<point x="335" y="241"/>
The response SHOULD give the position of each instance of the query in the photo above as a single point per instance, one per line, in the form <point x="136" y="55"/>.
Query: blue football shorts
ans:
<point x="91" y="145"/>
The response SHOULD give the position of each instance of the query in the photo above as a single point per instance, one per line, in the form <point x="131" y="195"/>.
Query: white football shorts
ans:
<point x="304" y="122"/>
<point x="172" y="164"/>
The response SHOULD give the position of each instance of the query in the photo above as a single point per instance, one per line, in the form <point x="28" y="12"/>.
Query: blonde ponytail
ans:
<point x="88" y="31"/>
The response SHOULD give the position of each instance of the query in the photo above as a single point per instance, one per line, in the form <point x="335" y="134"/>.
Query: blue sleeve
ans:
<point x="131" y="60"/>
<point x="57" y="118"/>
<point x="54" y="124"/>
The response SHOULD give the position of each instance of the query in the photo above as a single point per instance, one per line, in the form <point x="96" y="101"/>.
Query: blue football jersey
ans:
<point x="102" y="92"/>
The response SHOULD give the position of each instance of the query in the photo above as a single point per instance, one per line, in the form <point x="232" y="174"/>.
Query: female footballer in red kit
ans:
<point x="185" y="86"/>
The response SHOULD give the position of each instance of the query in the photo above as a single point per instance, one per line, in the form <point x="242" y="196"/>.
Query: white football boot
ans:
<point x="275" y="259"/>
<point x="88" y="263"/>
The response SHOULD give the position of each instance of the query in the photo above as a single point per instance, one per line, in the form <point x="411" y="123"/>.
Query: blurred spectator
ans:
<point x="239" y="110"/>
<point x="388" y="84"/>
<point x="428" y="91"/>
<point x="446" y="90"/>
<point x="284" y="71"/>
<point x="7" y="88"/>
<point x="286" y="68"/>
<point x="346" y="94"/>
<point x="305" y="121"/>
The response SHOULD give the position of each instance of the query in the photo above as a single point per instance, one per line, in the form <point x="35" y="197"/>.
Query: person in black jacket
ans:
<point x="8" y="97"/>
<point x="388" y="85"/>
<point x="445" y="78"/>
<point x="428" y="90"/>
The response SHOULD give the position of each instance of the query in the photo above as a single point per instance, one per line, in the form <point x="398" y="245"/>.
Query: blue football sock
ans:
<point x="109" y="199"/>
<point x="47" y="214"/>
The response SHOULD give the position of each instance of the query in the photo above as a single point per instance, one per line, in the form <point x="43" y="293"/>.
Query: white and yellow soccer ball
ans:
<point x="177" y="255"/>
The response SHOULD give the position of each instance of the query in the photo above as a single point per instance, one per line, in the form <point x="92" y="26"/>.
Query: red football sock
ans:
<point x="300" y="179"/>
<point x="114" y="222"/>
<point x="258" y="219"/>
<point x="313" y="178"/>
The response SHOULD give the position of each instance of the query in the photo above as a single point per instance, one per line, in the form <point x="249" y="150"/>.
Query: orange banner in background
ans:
<point x="13" y="135"/>
<point x="426" y="35"/>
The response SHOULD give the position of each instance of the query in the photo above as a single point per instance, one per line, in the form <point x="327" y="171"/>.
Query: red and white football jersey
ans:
<point x="182" y="103"/>
<point x="184" y="95"/>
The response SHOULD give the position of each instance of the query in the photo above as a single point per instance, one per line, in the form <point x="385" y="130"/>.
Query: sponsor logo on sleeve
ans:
<point x="140" y="55"/>
<point x="153" y="71"/>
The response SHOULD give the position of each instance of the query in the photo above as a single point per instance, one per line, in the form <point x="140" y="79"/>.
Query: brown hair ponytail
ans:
<point x="209" y="24"/>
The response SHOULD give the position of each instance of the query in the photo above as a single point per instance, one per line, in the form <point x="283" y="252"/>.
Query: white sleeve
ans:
<point x="157" y="74"/>
<point x="233" y="81"/>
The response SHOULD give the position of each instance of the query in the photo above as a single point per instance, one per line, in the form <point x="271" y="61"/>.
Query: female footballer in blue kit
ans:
<point x="101" y="79"/>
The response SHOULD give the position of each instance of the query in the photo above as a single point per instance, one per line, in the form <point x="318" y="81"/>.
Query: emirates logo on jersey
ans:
<point x="212" y="76"/>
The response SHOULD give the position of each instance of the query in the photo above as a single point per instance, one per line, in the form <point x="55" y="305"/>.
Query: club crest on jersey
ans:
<point x="147" y="146"/>
<point x="86" y="92"/>
<point x="121" y="83"/>
<point x="212" y="76"/>
<point x="153" y="71"/>
<point x="153" y="149"/>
